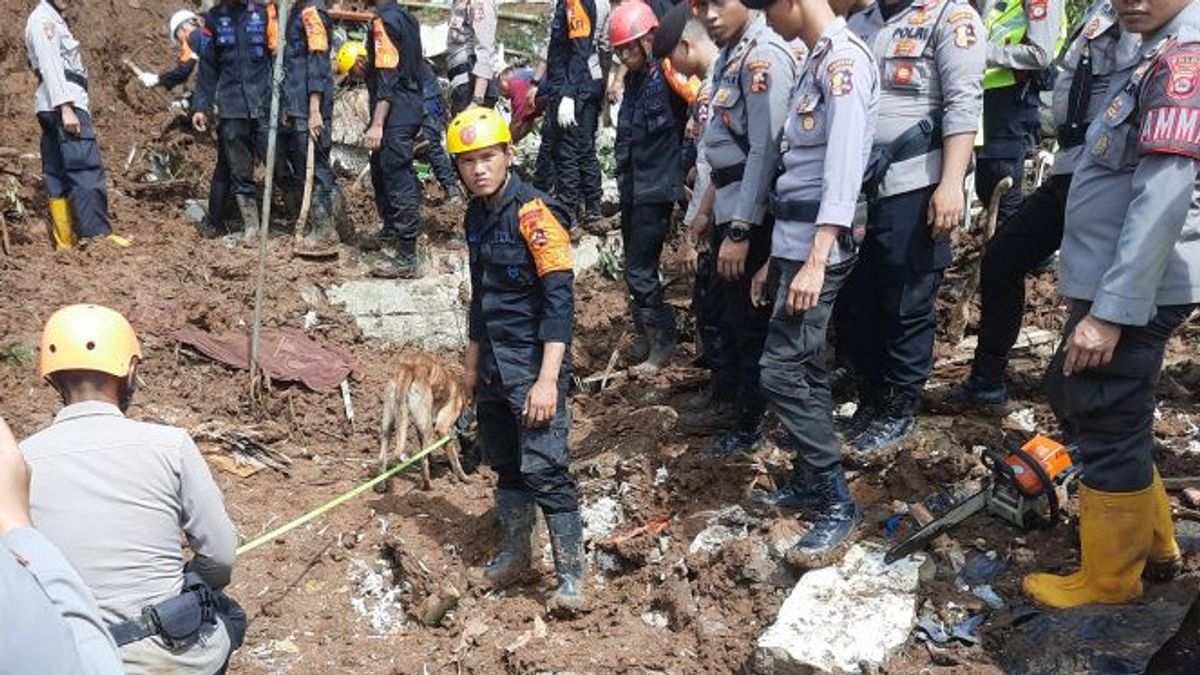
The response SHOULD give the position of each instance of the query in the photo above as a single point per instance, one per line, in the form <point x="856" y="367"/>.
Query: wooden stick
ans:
<point x="1175" y="484"/>
<point x="4" y="235"/>
<point x="507" y="16"/>
<point x="306" y="200"/>
<point x="347" y="402"/>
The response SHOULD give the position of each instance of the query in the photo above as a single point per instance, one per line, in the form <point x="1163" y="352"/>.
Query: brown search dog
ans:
<point x="432" y="394"/>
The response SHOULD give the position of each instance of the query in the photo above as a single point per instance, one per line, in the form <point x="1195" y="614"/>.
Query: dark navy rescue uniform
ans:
<point x="649" y="161"/>
<point x="307" y="69"/>
<point x="573" y="71"/>
<point x="433" y="126"/>
<point x="521" y="298"/>
<point x="235" y="78"/>
<point x="393" y="74"/>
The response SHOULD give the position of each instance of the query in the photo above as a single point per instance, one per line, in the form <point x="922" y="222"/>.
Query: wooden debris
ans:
<point x="249" y="447"/>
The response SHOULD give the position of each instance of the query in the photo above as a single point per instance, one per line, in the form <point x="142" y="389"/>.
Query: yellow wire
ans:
<point x="338" y="501"/>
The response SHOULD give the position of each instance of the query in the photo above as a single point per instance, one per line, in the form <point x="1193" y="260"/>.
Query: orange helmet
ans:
<point x="630" y="21"/>
<point x="88" y="337"/>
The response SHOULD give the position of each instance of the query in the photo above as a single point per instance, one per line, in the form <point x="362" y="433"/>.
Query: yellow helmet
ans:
<point x="349" y="54"/>
<point x="88" y="337"/>
<point x="475" y="129"/>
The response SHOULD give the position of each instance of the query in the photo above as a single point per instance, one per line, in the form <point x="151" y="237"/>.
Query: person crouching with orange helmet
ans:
<point x="518" y="366"/>
<point x="113" y="494"/>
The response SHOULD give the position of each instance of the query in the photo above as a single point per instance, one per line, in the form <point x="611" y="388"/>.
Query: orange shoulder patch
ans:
<point x="579" y="24"/>
<point x="272" y="27"/>
<point x="546" y="238"/>
<point x="314" y="30"/>
<point x="386" y="54"/>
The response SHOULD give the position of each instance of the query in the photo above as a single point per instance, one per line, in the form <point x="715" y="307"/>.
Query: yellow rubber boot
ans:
<point x="1116" y="535"/>
<point x="60" y="223"/>
<point x="1165" y="556"/>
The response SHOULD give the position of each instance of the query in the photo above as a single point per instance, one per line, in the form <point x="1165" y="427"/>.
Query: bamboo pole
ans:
<point x="256" y="379"/>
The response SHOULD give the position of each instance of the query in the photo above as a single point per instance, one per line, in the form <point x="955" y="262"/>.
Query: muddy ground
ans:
<point x="349" y="592"/>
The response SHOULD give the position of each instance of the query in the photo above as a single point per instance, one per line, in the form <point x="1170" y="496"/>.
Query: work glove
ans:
<point x="149" y="80"/>
<point x="566" y="113"/>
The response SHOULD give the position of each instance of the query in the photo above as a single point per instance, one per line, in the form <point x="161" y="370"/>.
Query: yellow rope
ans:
<point x="338" y="501"/>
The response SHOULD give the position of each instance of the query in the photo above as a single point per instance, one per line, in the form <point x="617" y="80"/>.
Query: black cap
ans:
<point x="670" y="29"/>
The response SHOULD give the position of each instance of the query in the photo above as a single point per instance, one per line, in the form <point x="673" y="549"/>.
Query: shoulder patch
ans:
<point x="964" y="35"/>
<point x="546" y="238"/>
<point x="1038" y="9"/>
<point x="1183" y="68"/>
<point x="314" y="30"/>
<point x="841" y="77"/>
<point x="48" y="29"/>
<point x="386" y="55"/>
<point x="1172" y="130"/>
<point x="760" y="76"/>
<point x="960" y="16"/>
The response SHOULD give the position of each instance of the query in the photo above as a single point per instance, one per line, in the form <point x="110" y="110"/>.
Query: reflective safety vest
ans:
<point x="1006" y="24"/>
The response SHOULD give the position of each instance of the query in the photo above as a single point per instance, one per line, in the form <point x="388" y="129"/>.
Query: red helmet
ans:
<point x="630" y="20"/>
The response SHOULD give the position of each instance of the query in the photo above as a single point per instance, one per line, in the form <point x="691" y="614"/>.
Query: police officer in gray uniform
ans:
<point x="71" y="163"/>
<point x="471" y="53"/>
<point x="755" y="71"/>
<point x="930" y="55"/>
<point x="827" y="140"/>
<point x="1026" y="239"/>
<point x="1130" y="265"/>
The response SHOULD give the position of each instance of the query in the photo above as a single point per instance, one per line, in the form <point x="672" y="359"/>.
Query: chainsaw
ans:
<point x="1025" y="488"/>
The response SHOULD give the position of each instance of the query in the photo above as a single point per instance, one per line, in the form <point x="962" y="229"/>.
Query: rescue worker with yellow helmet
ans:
<point x="113" y="494"/>
<point x="518" y="366"/>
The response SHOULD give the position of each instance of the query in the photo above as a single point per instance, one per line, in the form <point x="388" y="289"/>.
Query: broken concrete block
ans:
<point x="601" y="518"/>
<point x="837" y="618"/>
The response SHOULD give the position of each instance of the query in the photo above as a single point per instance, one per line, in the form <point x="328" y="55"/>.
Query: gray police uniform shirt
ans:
<point x="1036" y="51"/>
<point x="115" y="495"/>
<point x="827" y="139"/>
<point x="1131" y="241"/>
<point x="49" y="619"/>
<point x="931" y="59"/>
<point x="472" y="33"/>
<point x="754" y="79"/>
<point x="1100" y="36"/>
<point x="701" y="113"/>
<point x="53" y="52"/>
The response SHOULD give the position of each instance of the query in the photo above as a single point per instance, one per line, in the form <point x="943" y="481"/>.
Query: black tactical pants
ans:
<point x="795" y="375"/>
<point x="644" y="228"/>
<point x="576" y="165"/>
<point x="295" y="146"/>
<point x="1109" y="410"/>
<point x="989" y="172"/>
<point x="742" y="328"/>
<point x="245" y="143"/>
<point x="533" y="460"/>
<point x="397" y="194"/>
<point x="544" y="177"/>
<point x="1020" y="244"/>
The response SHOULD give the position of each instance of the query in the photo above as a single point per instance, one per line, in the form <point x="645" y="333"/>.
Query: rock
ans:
<point x="839" y="617"/>
<point x="713" y="537"/>
<point x="194" y="210"/>
<point x="655" y="619"/>
<point x="1191" y="496"/>
<point x="601" y="518"/>
<point x="427" y="313"/>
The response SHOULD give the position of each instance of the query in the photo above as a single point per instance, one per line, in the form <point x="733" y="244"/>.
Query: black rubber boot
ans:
<point x="660" y="330"/>
<point x="248" y="208"/>
<point x="566" y="540"/>
<point x="516" y="512"/>
<point x="322" y="230"/>
<point x="839" y="514"/>
<point x="718" y="415"/>
<point x="403" y="265"/>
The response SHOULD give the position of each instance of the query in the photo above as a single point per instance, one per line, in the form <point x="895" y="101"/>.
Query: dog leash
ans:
<point x="342" y="499"/>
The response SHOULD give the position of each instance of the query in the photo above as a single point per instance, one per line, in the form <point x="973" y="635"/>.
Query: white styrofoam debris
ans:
<point x="838" y="618"/>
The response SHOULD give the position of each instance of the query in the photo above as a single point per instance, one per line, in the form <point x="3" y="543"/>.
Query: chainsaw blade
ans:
<point x="960" y="512"/>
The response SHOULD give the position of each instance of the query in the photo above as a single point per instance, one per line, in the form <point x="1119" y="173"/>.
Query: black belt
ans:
<point x="728" y="175"/>
<point x="71" y="76"/>
<point x="796" y="210"/>
<point x="1071" y="135"/>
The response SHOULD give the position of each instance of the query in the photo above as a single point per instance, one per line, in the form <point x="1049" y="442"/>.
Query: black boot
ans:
<point x="717" y="415"/>
<point x="566" y="540"/>
<point x="800" y="493"/>
<point x="515" y="510"/>
<point x="864" y="415"/>
<point x="839" y="514"/>
<point x="403" y="265"/>
<point x="741" y="440"/>
<point x="248" y="208"/>
<point x="894" y="425"/>
<point x="660" y="330"/>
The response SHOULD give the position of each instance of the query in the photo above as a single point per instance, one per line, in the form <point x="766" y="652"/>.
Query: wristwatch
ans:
<point x="737" y="233"/>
